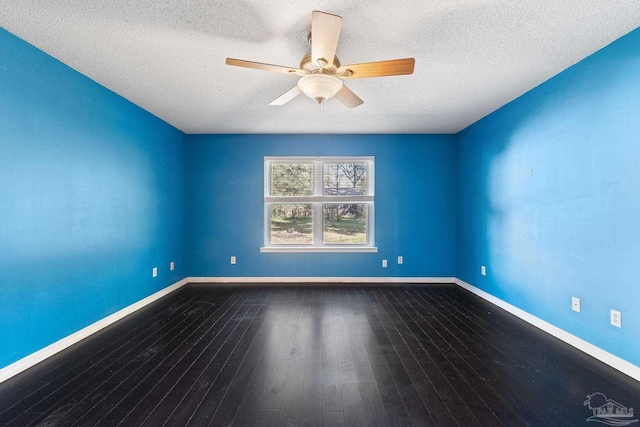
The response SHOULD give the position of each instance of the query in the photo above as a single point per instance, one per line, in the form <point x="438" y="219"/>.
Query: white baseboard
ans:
<point x="365" y="280"/>
<point x="604" y="356"/>
<point x="48" y="351"/>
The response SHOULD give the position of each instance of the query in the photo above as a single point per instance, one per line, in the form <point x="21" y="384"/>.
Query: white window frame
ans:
<point x="317" y="200"/>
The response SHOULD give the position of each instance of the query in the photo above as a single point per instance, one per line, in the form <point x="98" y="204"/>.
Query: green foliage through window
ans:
<point x="291" y="224"/>
<point x="345" y="223"/>
<point x="291" y="179"/>
<point x="342" y="179"/>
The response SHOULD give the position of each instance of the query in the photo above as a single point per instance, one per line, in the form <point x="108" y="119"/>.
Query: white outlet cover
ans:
<point x="384" y="262"/>
<point x="616" y="318"/>
<point x="483" y="270"/>
<point x="171" y="266"/>
<point x="155" y="272"/>
<point x="575" y="304"/>
<point x="233" y="260"/>
<point x="400" y="260"/>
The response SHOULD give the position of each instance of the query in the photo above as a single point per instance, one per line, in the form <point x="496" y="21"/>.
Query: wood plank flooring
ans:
<point x="314" y="355"/>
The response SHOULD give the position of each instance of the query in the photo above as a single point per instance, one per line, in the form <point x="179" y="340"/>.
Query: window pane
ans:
<point x="345" y="223"/>
<point x="291" y="179"/>
<point x="345" y="179"/>
<point x="291" y="224"/>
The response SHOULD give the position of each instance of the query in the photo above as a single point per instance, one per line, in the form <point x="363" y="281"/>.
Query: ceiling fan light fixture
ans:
<point x="320" y="86"/>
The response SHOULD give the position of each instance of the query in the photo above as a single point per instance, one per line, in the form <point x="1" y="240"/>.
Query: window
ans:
<point x="318" y="204"/>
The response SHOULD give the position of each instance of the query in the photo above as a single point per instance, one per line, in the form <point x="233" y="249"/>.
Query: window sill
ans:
<point x="319" y="249"/>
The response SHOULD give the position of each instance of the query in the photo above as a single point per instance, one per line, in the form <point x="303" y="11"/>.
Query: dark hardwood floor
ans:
<point x="315" y="356"/>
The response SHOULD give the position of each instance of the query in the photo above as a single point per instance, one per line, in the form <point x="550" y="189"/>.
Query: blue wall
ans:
<point x="549" y="199"/>
<point x="91" y="198"/>
<point x="414" y="205"/>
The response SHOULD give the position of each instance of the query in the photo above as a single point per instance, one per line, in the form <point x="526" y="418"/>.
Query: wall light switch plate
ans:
<point x="616" y="318"/>
<point x="233" y="260"/>
<point x="171" y="266"/>
<point x="575" y="304"/>
<point x="483" y="270"/>
<point x="155" y="272"/>
<point x="384" y="263"/>
<point x="400" y="260"/>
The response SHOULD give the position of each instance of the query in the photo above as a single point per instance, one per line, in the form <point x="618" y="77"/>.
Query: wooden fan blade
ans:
<point x="287" y="96"/>
<point x="325" y="31"/>
<point x="348" y="98"/>
<point x="260" y="66"/>
<point x="394" y="67"/>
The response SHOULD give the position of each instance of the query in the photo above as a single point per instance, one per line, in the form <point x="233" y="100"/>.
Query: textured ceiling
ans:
<point x="472" y="56"/>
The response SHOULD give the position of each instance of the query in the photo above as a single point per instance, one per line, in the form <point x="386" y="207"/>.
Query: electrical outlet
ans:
<point x="400" y="260"/>
<point x="483" y="270"/>
<point x="616" y="318"/>
<point x="575" y="304"/>
<point x="172" y="266"/>
<point x="384" y="263"/>
<point x="233" y="260"/>
<point x="155" y="272"/>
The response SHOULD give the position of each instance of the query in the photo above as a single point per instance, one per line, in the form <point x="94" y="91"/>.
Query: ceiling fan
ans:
<point x="321" y="75"/>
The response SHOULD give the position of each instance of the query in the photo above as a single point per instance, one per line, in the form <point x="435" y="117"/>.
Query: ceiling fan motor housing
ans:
<point x="313" y="67"/>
